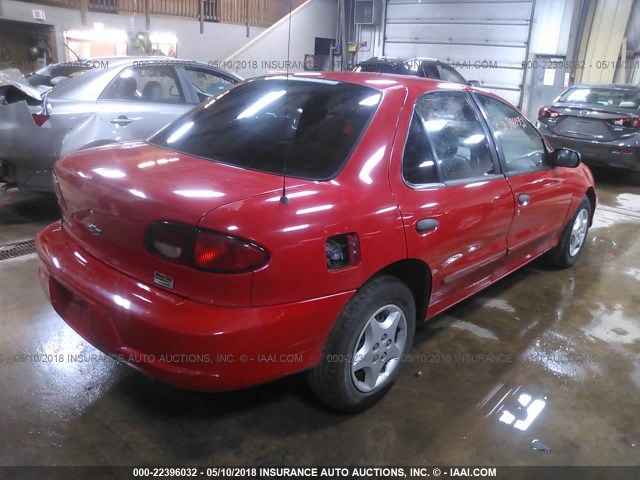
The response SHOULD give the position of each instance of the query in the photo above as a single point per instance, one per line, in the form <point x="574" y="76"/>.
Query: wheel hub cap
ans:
<point x="578" y="232"/>
<point x="379" y="348"/>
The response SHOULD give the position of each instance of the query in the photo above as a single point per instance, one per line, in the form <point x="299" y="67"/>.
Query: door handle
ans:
<point x="121" y="120"/>
<point x="524" y="199"/>
<point x="426" y="225"/>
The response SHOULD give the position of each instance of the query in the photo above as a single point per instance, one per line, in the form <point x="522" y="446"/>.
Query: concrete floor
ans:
<point x="567" y="341"/>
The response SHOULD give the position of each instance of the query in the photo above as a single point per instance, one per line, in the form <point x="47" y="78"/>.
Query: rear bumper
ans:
<point x="36" y="180"/>
<point x="596" y="153"/>
<point x="181" y="342"/>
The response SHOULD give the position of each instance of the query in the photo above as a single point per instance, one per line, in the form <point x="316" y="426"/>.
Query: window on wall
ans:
<point x="446" y="136"/>
<point x="521" y="144"/>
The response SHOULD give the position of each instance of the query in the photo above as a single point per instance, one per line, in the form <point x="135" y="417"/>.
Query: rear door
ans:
<point x="456" y="207"/>
<point x="140" y="101"/>
<point x="542" y="194"/>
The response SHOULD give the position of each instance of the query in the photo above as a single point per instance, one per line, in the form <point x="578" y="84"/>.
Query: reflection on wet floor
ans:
<point x="542" y="368"/>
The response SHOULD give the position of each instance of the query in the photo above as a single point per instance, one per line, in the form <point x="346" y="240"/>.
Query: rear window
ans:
<point x="603" y="97"/>
<point x="311" y="125"/>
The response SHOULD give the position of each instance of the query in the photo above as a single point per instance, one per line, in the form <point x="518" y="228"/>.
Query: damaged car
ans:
<point x="15" y="88"/>
<point x="129" y="98"/>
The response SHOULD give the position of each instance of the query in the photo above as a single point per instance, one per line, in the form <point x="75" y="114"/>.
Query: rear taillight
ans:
<point x="222" y="253"/>
<point x="546" y="112"/>
<point x="203" y="249"/>
<point x="40" y="118"/>
<point x="629" y="122"/>
<point x="170" y="241"/>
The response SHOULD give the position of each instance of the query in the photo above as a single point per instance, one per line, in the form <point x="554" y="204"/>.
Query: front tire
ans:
<point x="574" y="237"/>
<point x="364" y="352"/>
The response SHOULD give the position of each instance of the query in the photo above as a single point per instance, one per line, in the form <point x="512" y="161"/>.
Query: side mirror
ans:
<point x="473" y="83"/>
<point x="565" y="157"/>
<point x="173" y="91"/>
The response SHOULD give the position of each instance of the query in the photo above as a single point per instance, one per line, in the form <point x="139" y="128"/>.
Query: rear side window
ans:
<point x="458" y="144"/>
<point x="310" y="125"/>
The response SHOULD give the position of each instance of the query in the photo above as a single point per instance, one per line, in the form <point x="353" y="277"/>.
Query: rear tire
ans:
<point x="573" y="239"/>
<point x="365" y="350"/>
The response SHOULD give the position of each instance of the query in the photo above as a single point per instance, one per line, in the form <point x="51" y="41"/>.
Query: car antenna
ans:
<point x="284" y="199"/>
<point x="71" y="50"/>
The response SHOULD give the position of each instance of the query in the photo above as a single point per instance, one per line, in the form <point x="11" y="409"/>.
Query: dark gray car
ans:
<point x="125" y="98"/>
<point x="599" y="121"/>
<point x="416" y="66"/>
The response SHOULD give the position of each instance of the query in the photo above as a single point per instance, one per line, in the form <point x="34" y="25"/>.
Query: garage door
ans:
<point x="485" y="40"/>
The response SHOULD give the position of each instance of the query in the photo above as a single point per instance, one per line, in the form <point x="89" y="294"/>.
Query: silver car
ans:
<point x="125" y="98"/>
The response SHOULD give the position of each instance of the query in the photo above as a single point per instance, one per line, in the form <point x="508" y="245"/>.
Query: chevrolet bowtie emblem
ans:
<point x="94" y="230"/>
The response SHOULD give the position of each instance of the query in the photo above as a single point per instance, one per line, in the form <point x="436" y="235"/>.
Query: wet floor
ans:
<point x="544" y="355"/>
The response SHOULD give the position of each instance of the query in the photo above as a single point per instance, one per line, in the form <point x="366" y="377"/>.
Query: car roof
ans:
<point x="386" y="81"/>
<point x="611" y="86"/>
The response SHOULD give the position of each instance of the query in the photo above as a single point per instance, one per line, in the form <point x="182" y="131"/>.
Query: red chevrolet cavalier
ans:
<point x="305" y="223"/>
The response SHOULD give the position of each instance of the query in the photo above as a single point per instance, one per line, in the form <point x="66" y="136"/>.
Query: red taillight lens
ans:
<point x="629" y="122"/>
<point x="546" y="112"/>
<point x="203" y="249"/>
<point x="226" y="254"/>
<point x="170" y="241"/>
<point x="39" y="119"/>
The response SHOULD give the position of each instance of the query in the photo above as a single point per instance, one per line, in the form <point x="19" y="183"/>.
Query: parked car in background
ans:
<point x="601" y="122"/>
<point x="128" y="99"/>
<point x="417" y="66"/>
<point x="284" y="227"/>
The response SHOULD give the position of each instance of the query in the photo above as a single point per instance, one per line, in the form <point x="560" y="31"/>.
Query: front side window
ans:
<point x="521" y="144"/>
<point x="457" y="141"/>
<point x="304" y="127"/>
<point x="206" y="83"/>
<point x="150" y="84"/>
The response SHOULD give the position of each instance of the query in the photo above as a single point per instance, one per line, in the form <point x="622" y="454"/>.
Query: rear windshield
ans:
<point x="311" y="125"/>
<point x="603" y="97"/>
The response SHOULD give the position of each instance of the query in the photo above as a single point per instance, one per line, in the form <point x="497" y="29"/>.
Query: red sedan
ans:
<point x="305" y="223"/>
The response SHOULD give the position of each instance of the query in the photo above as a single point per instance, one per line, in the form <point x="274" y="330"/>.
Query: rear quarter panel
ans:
<point x="358" y="200"/>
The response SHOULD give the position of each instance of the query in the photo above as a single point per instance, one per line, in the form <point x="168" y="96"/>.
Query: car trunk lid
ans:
<point x="111" y="195"/>
<point x="590" y="123"/>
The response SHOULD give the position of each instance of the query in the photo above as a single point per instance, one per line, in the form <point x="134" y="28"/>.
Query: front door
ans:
<point x="542" y="195"/>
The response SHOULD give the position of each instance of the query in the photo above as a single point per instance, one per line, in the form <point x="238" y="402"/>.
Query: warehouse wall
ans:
<point x="268" y="51"/>
<point x="218" y="41"/>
